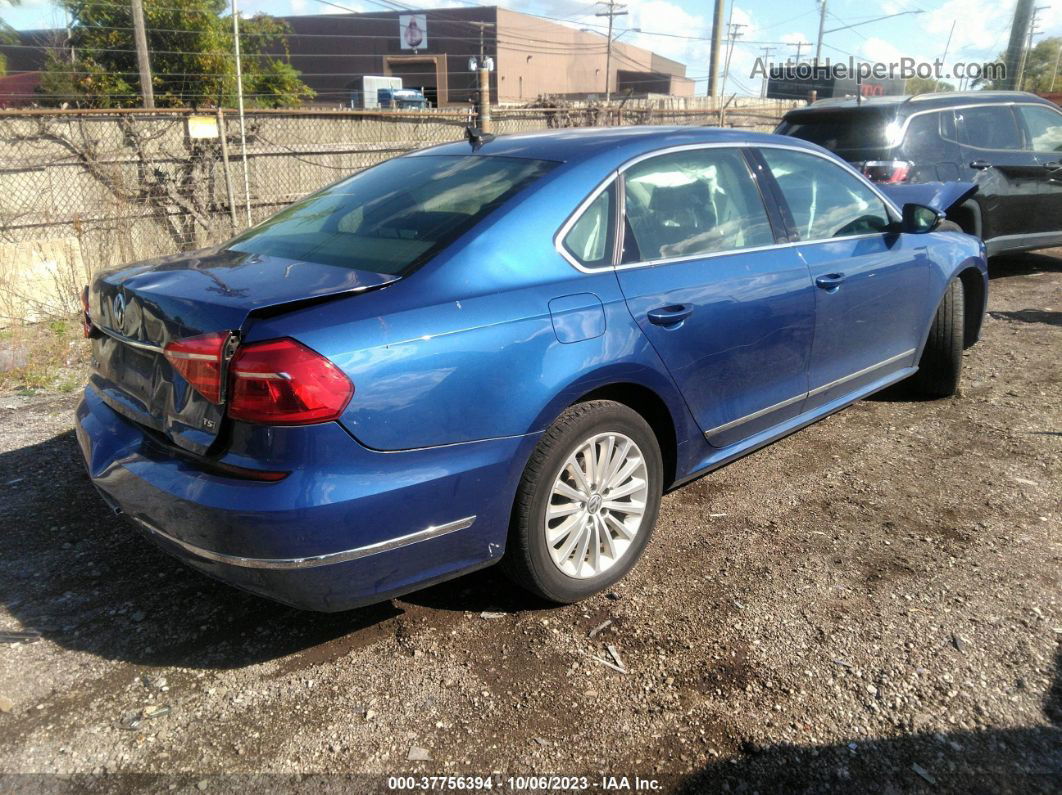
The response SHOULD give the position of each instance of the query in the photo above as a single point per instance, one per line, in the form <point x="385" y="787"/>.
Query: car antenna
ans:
<point x="477" y="137"/>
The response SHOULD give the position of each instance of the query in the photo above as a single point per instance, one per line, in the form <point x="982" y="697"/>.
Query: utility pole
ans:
<point x="766" y="54"/>
<point x="717" y="45"/>
<point x="483" y="120"/>
<point x="1054" y="74"/>
<point x="733" y="34"/>
<point x="799" y="48"/>
<point x="1033" y="32"/>
<point x="1019" y="32"/>
<point x="614" y="10"/>
<point x="947" y="44"/>
<point x="822" y="24"/>
<point x="143" y="61"/>
<point x="239" y="98"/>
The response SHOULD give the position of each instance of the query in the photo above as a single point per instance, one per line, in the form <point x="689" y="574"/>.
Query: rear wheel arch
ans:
<point x="653" y="409"/>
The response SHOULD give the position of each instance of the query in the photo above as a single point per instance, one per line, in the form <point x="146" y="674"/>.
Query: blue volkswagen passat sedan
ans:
<point x="507" y="351"/>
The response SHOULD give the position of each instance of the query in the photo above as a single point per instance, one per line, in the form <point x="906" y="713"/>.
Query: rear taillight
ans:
<point x="199" y="360"/>
<point x="86" y="317"/>
<point x="888" y="172"/>
<point x="282" y="382"/>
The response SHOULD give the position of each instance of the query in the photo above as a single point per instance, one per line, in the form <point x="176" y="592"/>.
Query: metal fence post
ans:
<point x="225" y="161"/>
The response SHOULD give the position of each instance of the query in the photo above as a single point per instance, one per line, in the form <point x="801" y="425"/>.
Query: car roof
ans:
<point x="580" y="143"/>
<point x="906" y="105"/>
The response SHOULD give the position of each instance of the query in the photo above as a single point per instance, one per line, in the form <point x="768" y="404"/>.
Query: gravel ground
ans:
<point x="870" y="604"/>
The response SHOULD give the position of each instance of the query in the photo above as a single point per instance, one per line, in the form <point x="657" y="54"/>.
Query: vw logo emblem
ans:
<point x="118" y="307"/>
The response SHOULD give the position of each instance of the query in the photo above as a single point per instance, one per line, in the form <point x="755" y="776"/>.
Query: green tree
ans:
<point x="1040" y="66"/>
<point x="1041" y="63"/>
<point x="926" y="85"/>
<point x="8" y="35"/>
<point x="192" y="57"/>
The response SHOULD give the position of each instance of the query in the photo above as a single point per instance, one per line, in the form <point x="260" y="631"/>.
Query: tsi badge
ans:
<point x="118" y="310"/>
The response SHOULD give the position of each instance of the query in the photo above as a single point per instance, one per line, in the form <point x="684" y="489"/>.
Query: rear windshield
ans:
<point x="840" y="131"/>
<point x="394" y="216"/>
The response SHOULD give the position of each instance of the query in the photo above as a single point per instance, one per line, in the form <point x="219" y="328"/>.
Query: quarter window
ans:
<point x="589" y="240"/>
<point x="685" y="204"/>
<point x="824" y="199"/>
<point x="1044" y="126"/>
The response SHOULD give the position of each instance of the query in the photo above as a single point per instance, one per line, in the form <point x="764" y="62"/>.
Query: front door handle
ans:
<point x="670" y="315"/>
<point x="980" y="165"/>
<point x="1054" y="165"/>
<point x="829" y="282"/>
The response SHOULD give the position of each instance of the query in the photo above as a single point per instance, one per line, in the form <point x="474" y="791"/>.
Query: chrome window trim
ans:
<point x="809" y="394"/>
<point x="573" y="219"/>
<point x="314" y="561"/>
<point x="908" y="117"/>
<point x="739" y="145"/>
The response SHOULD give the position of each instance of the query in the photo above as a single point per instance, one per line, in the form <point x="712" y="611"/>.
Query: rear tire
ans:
<point x="940" y="367"/>
<point x="605" y="512"/>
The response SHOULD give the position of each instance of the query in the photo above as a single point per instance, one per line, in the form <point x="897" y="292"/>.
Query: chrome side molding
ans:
<point x="816" y="391"/>
<point x="283" y="564"/>
<point x="860" y="373"/>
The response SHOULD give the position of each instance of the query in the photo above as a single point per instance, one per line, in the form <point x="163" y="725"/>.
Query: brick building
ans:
<point x="532" y="56"/>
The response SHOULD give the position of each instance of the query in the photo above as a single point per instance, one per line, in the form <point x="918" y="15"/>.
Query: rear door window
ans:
<point x="988" y="127"/>
<point x="1044" y="128"/>
<point x="824" y="199"/>
<point x="689" y="203"/>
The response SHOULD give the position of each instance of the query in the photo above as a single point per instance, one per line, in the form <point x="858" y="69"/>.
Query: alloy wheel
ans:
<point x="596" y="505"/>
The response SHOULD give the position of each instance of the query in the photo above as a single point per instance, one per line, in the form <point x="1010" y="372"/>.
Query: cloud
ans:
<point x="982" y="29"/>
<point x="881" y="51"/>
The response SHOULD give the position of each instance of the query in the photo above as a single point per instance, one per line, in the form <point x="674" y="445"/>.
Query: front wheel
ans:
<point x="940" y="367"/>
<point x="587" y="502"/>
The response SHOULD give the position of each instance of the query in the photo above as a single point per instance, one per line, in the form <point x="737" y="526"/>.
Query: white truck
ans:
<point x="367" y="96"/>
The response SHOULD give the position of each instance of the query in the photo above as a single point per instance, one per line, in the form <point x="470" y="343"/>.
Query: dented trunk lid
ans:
<point x="141" y="308"/>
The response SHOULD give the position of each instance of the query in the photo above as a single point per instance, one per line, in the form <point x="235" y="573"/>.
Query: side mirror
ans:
<point x="918" y="219"/>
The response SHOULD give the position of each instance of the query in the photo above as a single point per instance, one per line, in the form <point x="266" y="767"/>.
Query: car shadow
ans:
<point x="87" y="580"/>
<point x="1020" y="760"/>
<point x="484" y="591"/>
<point x="1024" y="264"/>
<point x="1030" y="316"/>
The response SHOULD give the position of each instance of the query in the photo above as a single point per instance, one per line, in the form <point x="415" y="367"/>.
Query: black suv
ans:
<point x="1007" y="142"/>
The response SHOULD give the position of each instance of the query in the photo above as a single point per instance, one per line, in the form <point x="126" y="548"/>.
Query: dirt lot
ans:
<point x="871" y="604"/>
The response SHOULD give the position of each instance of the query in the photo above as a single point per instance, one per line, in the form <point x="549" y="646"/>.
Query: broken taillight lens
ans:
<point x="86" y="317"/>
<point x="199" y="361"/>
<point x="887" y="172"/>
<point x="282" y="382"/>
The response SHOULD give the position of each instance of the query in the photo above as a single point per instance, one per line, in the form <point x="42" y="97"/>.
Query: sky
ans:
<point x="680" y="29"/>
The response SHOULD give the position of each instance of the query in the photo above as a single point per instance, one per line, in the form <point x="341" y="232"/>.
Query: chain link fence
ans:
<point x="83" y="190"/>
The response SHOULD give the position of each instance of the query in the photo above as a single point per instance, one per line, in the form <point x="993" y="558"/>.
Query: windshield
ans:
<point x="394" y="216"/>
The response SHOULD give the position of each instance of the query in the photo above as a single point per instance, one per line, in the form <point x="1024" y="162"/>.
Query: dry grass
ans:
<point x="48" y="356"/>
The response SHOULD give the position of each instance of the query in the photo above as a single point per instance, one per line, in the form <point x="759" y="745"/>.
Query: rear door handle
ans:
<point x="670" y="315"/>
<point x="829" y="282"/>
<point x="1054" y="165"/>
<point x="980" y="165"/>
